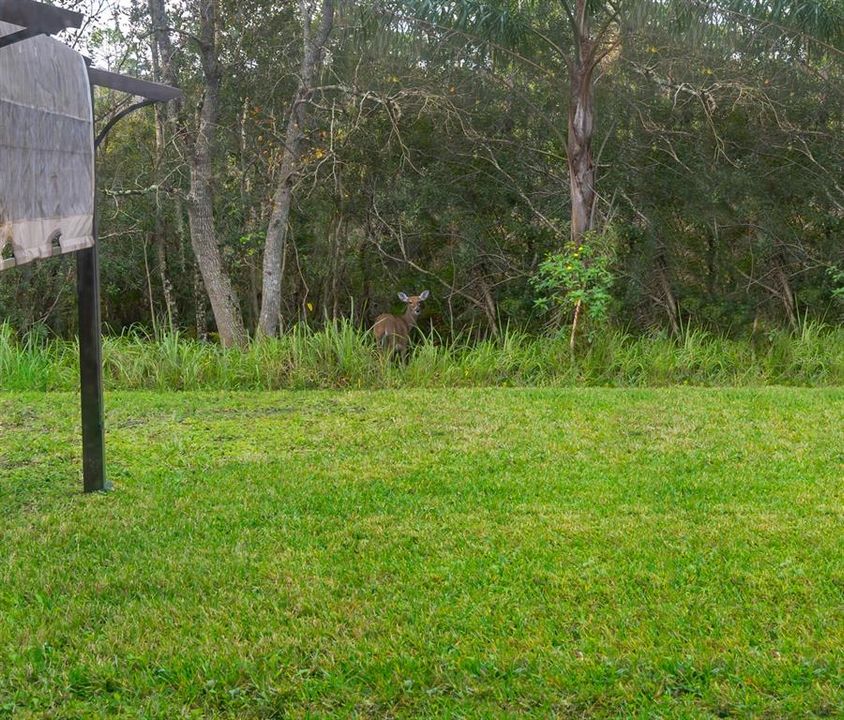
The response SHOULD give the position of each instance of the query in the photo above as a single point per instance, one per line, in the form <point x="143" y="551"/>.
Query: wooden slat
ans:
<point x="19" y="36"/>
<point x="45" y="18"/>
<point x="133" y="86"/>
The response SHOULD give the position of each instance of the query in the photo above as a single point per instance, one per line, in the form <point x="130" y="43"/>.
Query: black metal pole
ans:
<point x="88" y="296"/>
<point x="91" y="359"/>
<point x="91" y="368"/>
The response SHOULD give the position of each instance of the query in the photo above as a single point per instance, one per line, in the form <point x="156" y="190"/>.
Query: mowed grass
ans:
<point x="476" y="553"/>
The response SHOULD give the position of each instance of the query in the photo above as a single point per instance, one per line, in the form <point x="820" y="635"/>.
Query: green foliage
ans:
<point x="836" y="276"/>
<point x="532" y="553"/>
<point x="579" y="275"/>
<point x="439" y="157"/>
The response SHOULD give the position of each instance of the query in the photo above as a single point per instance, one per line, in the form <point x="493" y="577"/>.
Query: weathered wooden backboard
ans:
<point x="47" y="150"/>
<point x="48" y="177"/>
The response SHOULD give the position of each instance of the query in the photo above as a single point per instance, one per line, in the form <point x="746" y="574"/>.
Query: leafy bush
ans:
<point x="578" y="279"/>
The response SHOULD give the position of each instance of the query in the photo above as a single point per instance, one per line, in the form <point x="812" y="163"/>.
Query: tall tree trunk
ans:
<point x="199" y="305"/>
<point x="159" y="234"/>
<point x="671" y="305"/>
<point x="580" y="162"/>
<point x="165" y="122"/>
<point x="150" y="297"/>
<point x="334" y="270"/>
<point x="581" y="124"/>
<point x="365" y="299"/>
<point x="712" y="240"/>
<point x="164" y="278"/>
<point x="224" y="301"/>
<point x="489" y="307"/>
<point x="250" y="219"/>
<point x="293" y="145"/>
<point x="786" y="293"/>
<point x="162" y="46"/>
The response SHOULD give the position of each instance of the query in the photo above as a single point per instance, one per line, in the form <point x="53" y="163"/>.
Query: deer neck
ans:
<point x="409" y="318"/>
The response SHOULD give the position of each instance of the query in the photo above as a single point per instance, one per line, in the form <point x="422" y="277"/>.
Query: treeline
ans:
<point x="328" y="155"/>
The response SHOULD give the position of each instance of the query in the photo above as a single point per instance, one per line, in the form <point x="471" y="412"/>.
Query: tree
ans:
<point x="224" y="300"/>
<point x="430" y="157"/>
<point x="313" y="43"/>
<point x="166" y="122"/>
<point x="580" y="34"/>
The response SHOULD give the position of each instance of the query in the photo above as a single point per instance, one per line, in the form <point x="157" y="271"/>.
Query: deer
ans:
<point x="392" y="332"/>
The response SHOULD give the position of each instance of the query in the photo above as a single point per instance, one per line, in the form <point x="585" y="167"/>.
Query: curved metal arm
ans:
<point x="117" y="118"/>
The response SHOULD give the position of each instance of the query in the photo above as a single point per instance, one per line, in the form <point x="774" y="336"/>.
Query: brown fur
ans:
<point x="392" y="332"/>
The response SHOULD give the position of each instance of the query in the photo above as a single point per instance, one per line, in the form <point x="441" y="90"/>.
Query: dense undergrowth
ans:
<point x="342" y="356"/>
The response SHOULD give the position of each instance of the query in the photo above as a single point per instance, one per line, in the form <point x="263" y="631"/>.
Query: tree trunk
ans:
<point x="254" y="293"/>
<point x="581" y="124"/>
<point x="159" y="236"/>
<point x="150" y="297"/>
<point x="712" y="240"/>
<point x="786" y="293"/>
<point x="579" y="141"/>
<point x="199" y="306"/>
<point x="671" y="306"/>
<point x="164" y="278"/>
<point x="224" y="301"/>
<point x="338" y="225"/>
<point x="490" y="310"/>
<point x="165" y="122"/>
<point x="365" y="297"/>
<point x="162" y="47"/>
<point x="293" y="145"/>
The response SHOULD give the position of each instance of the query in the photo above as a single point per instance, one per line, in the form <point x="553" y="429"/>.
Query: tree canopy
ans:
<point x="328" y="155"/>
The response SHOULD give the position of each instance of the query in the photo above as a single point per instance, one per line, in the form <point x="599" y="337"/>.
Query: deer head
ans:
<point x="414" y="304"/>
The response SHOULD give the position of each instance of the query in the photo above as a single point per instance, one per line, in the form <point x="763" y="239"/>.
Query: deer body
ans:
<point x="392" y="332"/>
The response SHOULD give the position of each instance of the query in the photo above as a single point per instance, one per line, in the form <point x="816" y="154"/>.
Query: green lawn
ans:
<point x="430" y="553"/>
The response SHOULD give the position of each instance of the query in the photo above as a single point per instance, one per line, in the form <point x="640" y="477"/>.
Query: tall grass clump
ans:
<point x="33" y="362"/>
<point x="340" y="355"/>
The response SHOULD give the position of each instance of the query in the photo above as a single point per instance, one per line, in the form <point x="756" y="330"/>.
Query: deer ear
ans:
<point x="403" y="297"/>
<point x="424" y="295"/>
